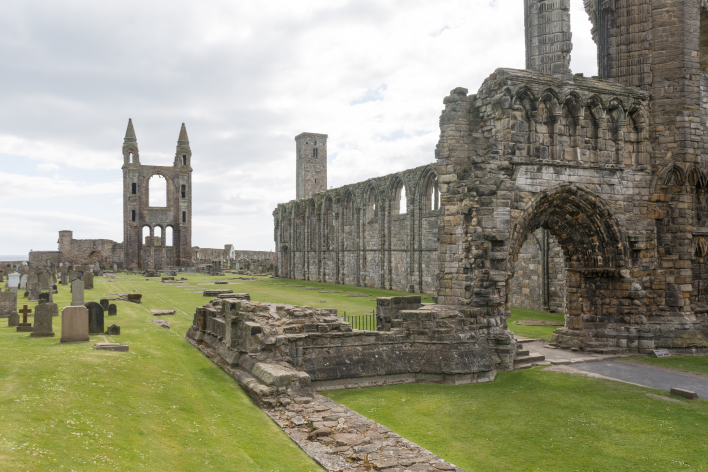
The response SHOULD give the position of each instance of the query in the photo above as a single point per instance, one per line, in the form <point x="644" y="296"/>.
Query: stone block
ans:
<point x="684" y="393"/>
<point x="271" y="374"/>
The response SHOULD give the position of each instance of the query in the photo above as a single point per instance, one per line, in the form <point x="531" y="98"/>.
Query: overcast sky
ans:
<point x="246" y="78"/>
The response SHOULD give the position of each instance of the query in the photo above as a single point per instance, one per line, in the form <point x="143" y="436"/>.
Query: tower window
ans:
<point x="184" y="159"/>
<point x="130" y="157"/>
<point x="184" y="217"/>
<point x="133" y="215"/>
<point x="135" y="188"/>
<point x="184" y="191"/>
<point x="315" y="143"/>
<point x="314" y="152"/>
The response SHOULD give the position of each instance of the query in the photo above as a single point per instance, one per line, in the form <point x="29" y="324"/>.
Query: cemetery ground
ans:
<point x="165" y="406"/>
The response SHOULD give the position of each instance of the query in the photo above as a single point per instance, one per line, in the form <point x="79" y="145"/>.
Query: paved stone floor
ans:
<point x="659" y="378"/>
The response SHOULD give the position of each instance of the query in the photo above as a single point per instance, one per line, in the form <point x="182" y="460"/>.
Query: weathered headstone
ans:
<point x="1" y="277"/>
<point x="95" y="312"/>
<point x="77" y="293"/>
<point x="44" y="281"/>
<point x="43" y="314"/>
<point x="33" y="289"/>
<point x="8" y="303"/>
<point x="104" y="303"/>
<point x="112" y="309"/>
<point x="73" y="275"/>
<point x="23" y="282"/>
<point x="13" y="320"/>
<point x="74" y="324"/>
<point x="24" y="327"/>
<point x="88" y="281"/>
<point x="64" y="278"/>
<point x="113" y="330"/>
<point x="44" y="297"/>
<point x="13" y="280"/>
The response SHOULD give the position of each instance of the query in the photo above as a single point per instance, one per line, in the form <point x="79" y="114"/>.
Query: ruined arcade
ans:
<point x="612" y="168"/>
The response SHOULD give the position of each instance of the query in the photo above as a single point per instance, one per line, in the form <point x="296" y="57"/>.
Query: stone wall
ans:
<point x="80" y="252"/>
<point x="539" y="276"/>
<point x="364" y="234"/>
<point x="138" y="214"/>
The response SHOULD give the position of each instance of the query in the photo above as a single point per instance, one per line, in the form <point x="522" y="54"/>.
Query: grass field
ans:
<point x="540" y="332"/>
<point x="536" y="420"/>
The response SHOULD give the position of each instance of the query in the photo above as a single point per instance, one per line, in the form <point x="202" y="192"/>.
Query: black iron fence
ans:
<point x="363" y="322"/>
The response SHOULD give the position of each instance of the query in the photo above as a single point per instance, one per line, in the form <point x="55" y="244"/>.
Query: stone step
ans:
<point x="595" y="344"/>
<point x="520" y="352"/>
<point x="602" y="350"/>
<point x="525" y="340"/>
<point x="533" y="357"/>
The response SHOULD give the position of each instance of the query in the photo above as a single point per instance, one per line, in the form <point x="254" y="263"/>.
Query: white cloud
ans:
<point x="246" y="78"/>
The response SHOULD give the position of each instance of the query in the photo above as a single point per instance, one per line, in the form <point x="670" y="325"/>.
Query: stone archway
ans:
<point x="595" y="252"/>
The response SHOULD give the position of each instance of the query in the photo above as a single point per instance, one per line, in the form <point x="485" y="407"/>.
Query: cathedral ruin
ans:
<point x="610" y="171"/>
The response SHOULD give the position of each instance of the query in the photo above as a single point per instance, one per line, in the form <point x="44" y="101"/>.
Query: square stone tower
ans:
<point x="311" y="170"/>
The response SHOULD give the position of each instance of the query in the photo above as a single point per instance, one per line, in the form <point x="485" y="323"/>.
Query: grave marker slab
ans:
<point x="77" y="292"/>
<point x="95" y="312"/>
<point x="24" y="327"/>
<point x="43" y="320"/>
<point x="33" y="289"/>
<point x="23" y="282"/>
<point x="13" y="320"/>
<point x="113" y="330"/>
<point x="45" y="281"/>
<point x="8" y="303"/>
<point x="660" y="353"/>
<point x="13" y="280"/>
<point x="74" y="324"/>
<point x="104" y="303"/>
<point x="112" y="309"/>
<point x="88" y="281"/>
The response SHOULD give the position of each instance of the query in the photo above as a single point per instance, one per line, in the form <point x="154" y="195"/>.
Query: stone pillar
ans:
<point x="548" y="37"/>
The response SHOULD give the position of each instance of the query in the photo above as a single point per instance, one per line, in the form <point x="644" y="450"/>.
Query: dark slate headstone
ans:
<point x="113" y="330"/>
<point x="104" y="303"/>
<point x="44" y="297"/>
<point x="112" y="309"/>
<point x="95" y="312"/>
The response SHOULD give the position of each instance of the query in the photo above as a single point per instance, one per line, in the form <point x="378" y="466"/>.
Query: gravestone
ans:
<point x="31" y="278"/>
<point x="95" y="312"/>
<point x="1" y="276"/>
<point x="33" y="289"/>
<point x="88" y="281"/>
<point x="54" y="289"/>
<point x="13" y="280"/>
<point x="112" y="309"/>
<point x="64" y="278"/>
<point x="113" y="330"/>
<point x="13" y="320"/>
<point x="23" y="282"/>
<point x="104" y="303"/>
<point x="73" y="275"/>
<point x="44" y="281"/>
<point x="77" y="293"/>
<point x="8" y="303"/>
<point x="74" y="324"/>
<point x="43" y="314"/>
<point x="24" y="327"/>
<point x="45" y="297"/>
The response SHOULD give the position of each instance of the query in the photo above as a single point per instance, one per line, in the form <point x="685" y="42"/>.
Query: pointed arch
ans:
<point x="673" y="174"/>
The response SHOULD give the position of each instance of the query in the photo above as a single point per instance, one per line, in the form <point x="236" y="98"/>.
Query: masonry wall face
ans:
<point x="357" y="235"/>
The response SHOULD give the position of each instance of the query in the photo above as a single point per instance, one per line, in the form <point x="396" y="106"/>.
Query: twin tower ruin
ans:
<point x="612" y="170"/>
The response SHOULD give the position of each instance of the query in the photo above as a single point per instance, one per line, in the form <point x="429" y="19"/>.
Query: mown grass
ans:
<point x="162" y="406"/>
<point x="540" y="332"/>
<point x="697" y="365"/>
<point x="538" y="420"/>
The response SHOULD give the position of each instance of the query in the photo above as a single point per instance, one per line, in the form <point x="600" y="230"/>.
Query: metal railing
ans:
<point x="362" y="322"/>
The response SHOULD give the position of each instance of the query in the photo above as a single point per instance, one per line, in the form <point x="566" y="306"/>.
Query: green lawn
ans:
<point x="697" y="365"/>
<point x="162" y="406"/>
<point x="536" y="420"/>
<point x="540" y="332"/>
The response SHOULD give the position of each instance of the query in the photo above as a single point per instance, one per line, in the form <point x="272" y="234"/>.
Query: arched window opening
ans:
<point x="184" y="159"/>
<point x="314" y="152"/>
<point x="584" y="56"/>
<point x="133" y="214"/>
<point x="157" y="238"/>
<point x="146" y="236"/>
<point x="402" y="203"/>
<point x="134" y="188"/>
<point x="432" y="194"/>
<point x="184" y="217"/>
<point x="130" y="157"/>
<point x="168" y="236"/>
<point x="157" y="188"/>
<point x="184" y="191"/>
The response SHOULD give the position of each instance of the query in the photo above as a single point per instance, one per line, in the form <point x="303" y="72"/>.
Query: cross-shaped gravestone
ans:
<point x="24" y="326"/>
